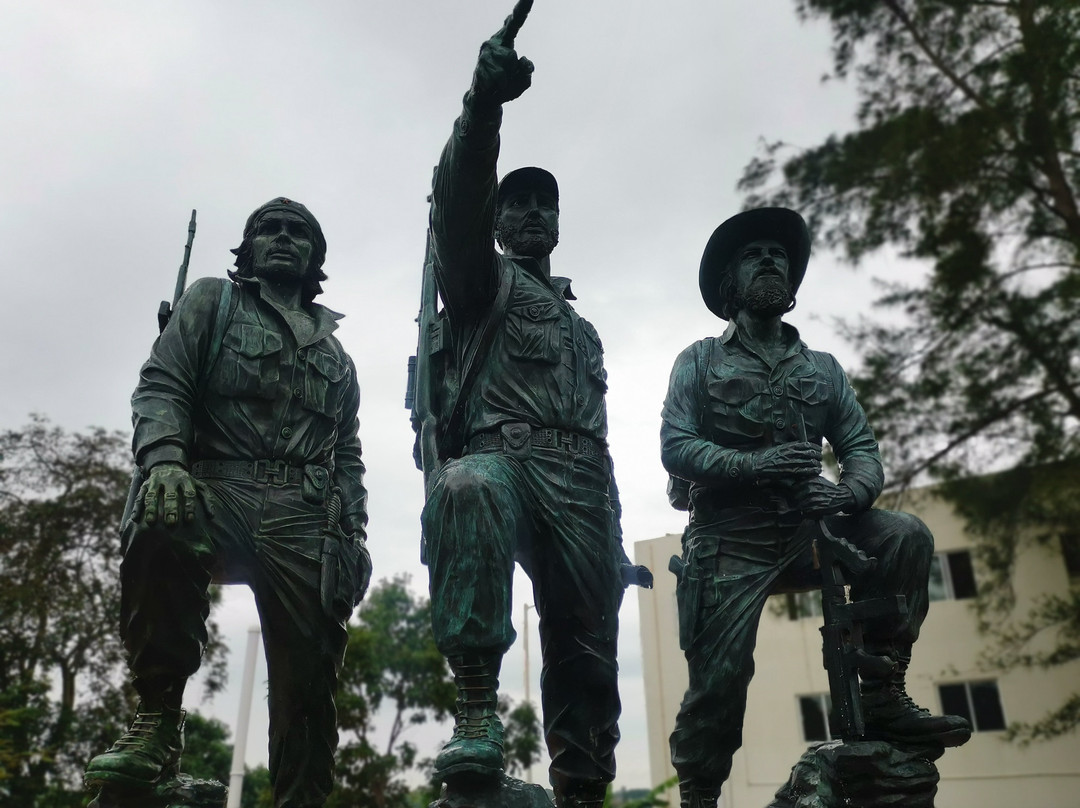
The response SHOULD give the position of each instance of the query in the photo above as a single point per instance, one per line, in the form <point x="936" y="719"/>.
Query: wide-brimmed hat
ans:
<point x="529" y="178"/>
<point x="779" y="224"/>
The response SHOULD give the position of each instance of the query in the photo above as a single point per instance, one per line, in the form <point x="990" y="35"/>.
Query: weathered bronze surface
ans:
<point x="742" y="432"/>
<point x="245" y="422"/>
<point x="515" y="454"/>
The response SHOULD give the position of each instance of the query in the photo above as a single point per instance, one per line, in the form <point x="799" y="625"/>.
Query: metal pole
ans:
<point x="236" y="774"/>
<point x="528" y="689"/>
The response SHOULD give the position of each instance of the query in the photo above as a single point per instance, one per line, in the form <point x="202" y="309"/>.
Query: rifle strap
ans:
<point x="474" y="357"/>
<point x="222" y="318"/>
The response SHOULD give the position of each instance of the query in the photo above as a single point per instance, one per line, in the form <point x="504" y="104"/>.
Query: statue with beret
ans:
<point x="522" y="471"/>
<point x="245" y="420"/>
<point x="742" y="431"/>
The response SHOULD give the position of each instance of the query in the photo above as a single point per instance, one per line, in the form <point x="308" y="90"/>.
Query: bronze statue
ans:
<point x="743" y="425"/>
<point x="520" y="469"/>
<point x="245" y="422"/>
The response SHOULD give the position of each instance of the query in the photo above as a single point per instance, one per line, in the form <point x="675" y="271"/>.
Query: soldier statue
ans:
<point x="525" y="473"/>
<point x="743" y="424"/>
<point x="245" y="421"/>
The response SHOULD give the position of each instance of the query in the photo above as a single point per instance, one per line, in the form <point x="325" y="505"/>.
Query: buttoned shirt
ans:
<point x="545" y="364"/>
<point x="725" y="401"/>
<point x="267" y="396"/>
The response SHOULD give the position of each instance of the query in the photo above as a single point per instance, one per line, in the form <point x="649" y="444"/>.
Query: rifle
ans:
<point x="165" y="311"/>
<point x="842" y="646"/>
<point x="422" y="386"/>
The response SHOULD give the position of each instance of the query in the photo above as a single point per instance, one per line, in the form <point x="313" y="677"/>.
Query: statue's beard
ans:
<point x="531" y="243"/>
<point x="768" y="296"/>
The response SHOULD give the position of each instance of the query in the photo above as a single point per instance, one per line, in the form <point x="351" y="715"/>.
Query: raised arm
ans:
<point x="463" y="205"/>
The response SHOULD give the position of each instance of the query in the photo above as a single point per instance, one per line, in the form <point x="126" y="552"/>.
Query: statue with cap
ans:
<point x="742" y="431"/>
<point x="525" y="473"/>
<point x="245" y="419"/>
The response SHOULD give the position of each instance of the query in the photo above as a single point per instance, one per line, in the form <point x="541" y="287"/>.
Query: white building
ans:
<point x="787" y="699"/>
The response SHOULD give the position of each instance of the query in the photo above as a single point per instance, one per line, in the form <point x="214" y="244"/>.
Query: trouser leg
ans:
<point x="576" y="585"/>
<point x="164" y="605"/>
<point x="473" y="522"/>
<point x="720" y="661"/>
<point x="903" y="546"/>
<point x="304" y="649"/>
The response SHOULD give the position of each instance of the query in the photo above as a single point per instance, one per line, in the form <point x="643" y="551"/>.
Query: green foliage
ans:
<point x="966" y="156"/>
<point x="256" y="792"/>
<point x="207" y="751"/>
<point x="63" y="697"/>
<point x="392" y="669"/>
<point x="523" y="734"/>
<point x="641" y="798"/>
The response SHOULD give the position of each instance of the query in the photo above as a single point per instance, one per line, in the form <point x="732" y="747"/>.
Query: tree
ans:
<point x="392" y="670"/>
<point x="62" y="671"/>
<point x="966" y="156"/>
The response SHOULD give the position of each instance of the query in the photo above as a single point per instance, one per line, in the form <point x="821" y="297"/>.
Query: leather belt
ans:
<point x="276" y="472"/>
<point x="546" y="438"/>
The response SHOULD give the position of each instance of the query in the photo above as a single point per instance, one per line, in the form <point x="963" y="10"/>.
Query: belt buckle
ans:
<point x="274" y="472"/>
<point x="568" y="440"/>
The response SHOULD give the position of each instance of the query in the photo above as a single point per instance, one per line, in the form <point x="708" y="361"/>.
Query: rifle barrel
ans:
<point x="181" y="276"/>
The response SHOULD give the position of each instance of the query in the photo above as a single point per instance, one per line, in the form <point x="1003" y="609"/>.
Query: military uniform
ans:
<point x="724" y="402"/>
<point x="533" y="482"/>
<point x="271" y="429"/>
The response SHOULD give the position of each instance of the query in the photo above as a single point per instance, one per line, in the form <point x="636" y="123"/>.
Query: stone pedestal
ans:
<point x="505" y="793"/>
<point x="183" y="791"/>
<point x="867" y="774"/>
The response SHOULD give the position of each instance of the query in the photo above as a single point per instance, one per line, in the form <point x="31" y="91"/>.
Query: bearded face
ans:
<point x="528" y="224"/>
<point x="762" y="284"/>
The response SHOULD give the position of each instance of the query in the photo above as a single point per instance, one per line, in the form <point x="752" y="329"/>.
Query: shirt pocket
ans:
<point x="532" y="332"/>
<point x="250" y="363"/>
<point x="808" y="390"/>
<point x="324" y="383"/>
<point x="734" y="405"/>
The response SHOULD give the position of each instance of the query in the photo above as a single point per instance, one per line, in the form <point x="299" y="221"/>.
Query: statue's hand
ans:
<point x="169" y="495"/>
<point x="787" y="462"/>
<point x="501" y="75"/>
<point x="820" y="496"/>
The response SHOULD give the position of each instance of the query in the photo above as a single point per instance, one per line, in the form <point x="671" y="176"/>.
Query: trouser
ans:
<point x="734" y="561"/>
<point x="551" y="512"/>
<point x="267" y="536"/>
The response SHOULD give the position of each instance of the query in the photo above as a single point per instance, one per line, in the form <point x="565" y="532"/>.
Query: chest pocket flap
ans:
<point x="808" y="389"/>
<point x="250" y="362"/>
<point x="532" y="331"/>
<point x="323" y="384"/>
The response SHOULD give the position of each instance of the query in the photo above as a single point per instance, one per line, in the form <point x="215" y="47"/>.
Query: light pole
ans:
<point x="236" y="775"/>
<point x="528" y="689"/>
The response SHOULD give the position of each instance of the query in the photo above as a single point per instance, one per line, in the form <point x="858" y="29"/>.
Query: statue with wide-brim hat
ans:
<point x="716" y="275"/>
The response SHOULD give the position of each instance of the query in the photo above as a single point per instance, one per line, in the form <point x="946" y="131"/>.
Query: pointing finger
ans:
<point x="509" y="31"/>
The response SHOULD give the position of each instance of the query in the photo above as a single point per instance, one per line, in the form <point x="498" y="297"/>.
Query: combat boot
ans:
<point x="892" y="715"/>
<point x="690" y="797"/>
<point x="148" y="753"/>
<point x="588" y="794"/>
<point x="476" y="748"/>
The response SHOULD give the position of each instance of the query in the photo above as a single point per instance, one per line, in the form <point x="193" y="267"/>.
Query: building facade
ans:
<point x="788" y="701"/>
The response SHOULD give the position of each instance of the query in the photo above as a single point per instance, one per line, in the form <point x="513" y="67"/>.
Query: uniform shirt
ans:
<point x="266" y="397"/>
<point x="725" y="401"/>
<point x="545" y="364"/>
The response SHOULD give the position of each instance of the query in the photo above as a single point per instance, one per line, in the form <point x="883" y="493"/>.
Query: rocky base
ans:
<point x="183" y="791"/>
<point x="504" y="793"/>
<point x="867" y="774"/>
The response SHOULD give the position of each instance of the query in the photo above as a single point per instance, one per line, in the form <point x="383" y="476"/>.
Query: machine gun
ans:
<point x="842" y="647"/>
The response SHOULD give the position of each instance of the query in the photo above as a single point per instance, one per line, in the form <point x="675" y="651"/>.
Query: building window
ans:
<point x="815" y="710"/>
<point x="803" y="604"/>
<point x="1070" y="549"/>
<point x="978" y="702"/>
<point x="951" y="576"/>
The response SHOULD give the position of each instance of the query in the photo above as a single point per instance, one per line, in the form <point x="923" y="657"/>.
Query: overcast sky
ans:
<point x="120" y="117"/>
